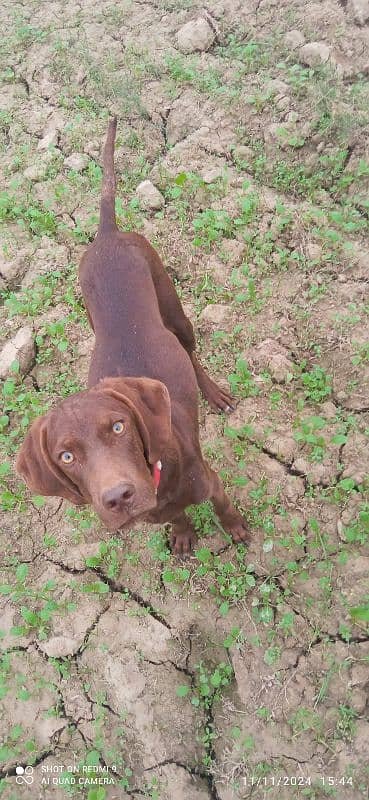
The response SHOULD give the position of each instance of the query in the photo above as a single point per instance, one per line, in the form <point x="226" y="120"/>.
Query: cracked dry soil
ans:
<point x="236" y="674"/>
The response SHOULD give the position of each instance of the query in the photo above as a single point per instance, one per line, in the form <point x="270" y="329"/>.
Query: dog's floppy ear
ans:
<point x="39" y="471"/>
<point x="150" y="402"/>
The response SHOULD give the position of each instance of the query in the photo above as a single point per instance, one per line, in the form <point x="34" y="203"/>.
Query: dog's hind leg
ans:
<point x="176" y="321"/>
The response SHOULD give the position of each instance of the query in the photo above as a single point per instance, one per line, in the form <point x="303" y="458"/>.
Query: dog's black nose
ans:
<point x="113" y="499"/>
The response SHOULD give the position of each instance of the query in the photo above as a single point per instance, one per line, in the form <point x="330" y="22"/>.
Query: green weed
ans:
<point x="229" y="581"/>
<point x="316" y="382"/>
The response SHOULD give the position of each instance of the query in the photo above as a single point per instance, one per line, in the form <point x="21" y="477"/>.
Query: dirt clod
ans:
<point x="195" y="35"/>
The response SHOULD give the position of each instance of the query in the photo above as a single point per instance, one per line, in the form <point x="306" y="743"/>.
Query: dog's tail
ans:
<point x="107" y="201"/>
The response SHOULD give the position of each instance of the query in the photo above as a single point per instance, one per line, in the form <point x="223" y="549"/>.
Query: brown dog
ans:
<point x="129" y="445"/>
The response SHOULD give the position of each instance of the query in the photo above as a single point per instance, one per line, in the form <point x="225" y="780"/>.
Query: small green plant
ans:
<point x="205" y="693"/>
<point x="309" y="434"/>
<point x="53" y="332"/>
<point x="316" y="383"/>
<point x="361" y="355"/>
<point x="158" y="546"/>
<point x="106" y="559"/>
<point x="299" y="78"/>
<point x="32" y="300"/>
<point x="20" y="406"/>
<point x="203" y="518"/>
<point x="357" y="532"/>
<point x="304" y="720"/>
<point x="247" y="290"/>
<point x="253" y="55"/>
<point x="31" y="618"/>
<point x="241" y="381"/>
<point x="360" y="614"/>
<point x="189" y="70"/>
<point x="82" y="520"/>
<point x="175" y="578"/>
<point x="30" y="215"/>
<point x="211" y="226"/>
<point x="346" y="728"/>
<point x="46" y="291"/>
<point x="229" y="582"/>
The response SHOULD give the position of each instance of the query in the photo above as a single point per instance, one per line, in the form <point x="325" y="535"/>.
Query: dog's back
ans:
<point x="116" y="280"/>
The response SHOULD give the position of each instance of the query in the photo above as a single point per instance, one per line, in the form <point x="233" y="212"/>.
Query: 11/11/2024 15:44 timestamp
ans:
<point x="299" y="780"/>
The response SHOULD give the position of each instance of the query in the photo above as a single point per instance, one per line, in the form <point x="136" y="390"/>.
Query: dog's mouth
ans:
<point x="123" y="517"/>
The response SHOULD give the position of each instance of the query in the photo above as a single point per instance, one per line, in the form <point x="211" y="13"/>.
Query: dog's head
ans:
<point x="97" y="447"/>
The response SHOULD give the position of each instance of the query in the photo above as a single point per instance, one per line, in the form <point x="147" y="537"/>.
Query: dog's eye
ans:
<point x="118" y="427"/>
<point x="67" y="457"/>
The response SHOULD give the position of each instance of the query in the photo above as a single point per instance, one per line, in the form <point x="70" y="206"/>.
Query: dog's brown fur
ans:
<point x="144" y="374"/>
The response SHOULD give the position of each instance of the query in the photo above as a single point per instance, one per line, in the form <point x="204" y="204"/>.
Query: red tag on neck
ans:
<point x="156" y="471"/>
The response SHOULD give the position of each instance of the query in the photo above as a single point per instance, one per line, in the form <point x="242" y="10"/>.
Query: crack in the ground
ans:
<point x="183" y="670"/>
<point x="52" y="514"/>
<point x="191" y="770"/>
<point x="93" y="703"/>
<point x="363" y="410"/>
<point x="64" y="567"/>
<point x="212" y="25"/>
<point x="11" y="772"/>
<point x="89" y="743"/>
<point x="18" y="648"/>
<point x="322" y="636"/>
<point x="89" y="236"/>
<point x="44" y="754"/>
<point x="115" y="587"/>
<point x="21" y="79"/>
<point x="164" y="122"/>
<point x="194" y="772"/>
<point x="209" y="728"/>
<point x="288" y="466"/>
<point x="89" y="630"/>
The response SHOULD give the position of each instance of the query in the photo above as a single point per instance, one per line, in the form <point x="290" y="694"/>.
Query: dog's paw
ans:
<point x="220" y="400"/>
<point x="182" y="543"/>
<point x="237" y="528"/>
<point x="239" y="533"/>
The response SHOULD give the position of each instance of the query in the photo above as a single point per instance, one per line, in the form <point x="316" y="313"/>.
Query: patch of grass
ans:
<point x="309" y="434"/>
<point x="306" y="720"/>
<point x="82" y="520"/>
<point x="357" y="532"/>
<point x="190" y="70"/>
<point x="211" y="226"/>
<point x="31" y="618"/>
<point x="203" y="518"/>
<point x="250" y="55"/>
<point x="182" y="193"/>
<point x="241" y="381"/>
<point x="31" y="215"/>
<point x="316" y="382"/>
<point x="106" y="558"/>
<point x="31" y="301"/>
<point x="20" y="406"/>
<point x="25" y="34"/>
<point x="229" y="581"/>
<point x="346" y="728"/>
<point x="205" y="693"/>
<point x="53" y="332"/>
<point x="361" y="354"/>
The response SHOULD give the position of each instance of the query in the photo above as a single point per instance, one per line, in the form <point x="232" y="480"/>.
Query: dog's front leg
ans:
<point x="231" y="519"/>
<point x="183" y="537"/>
